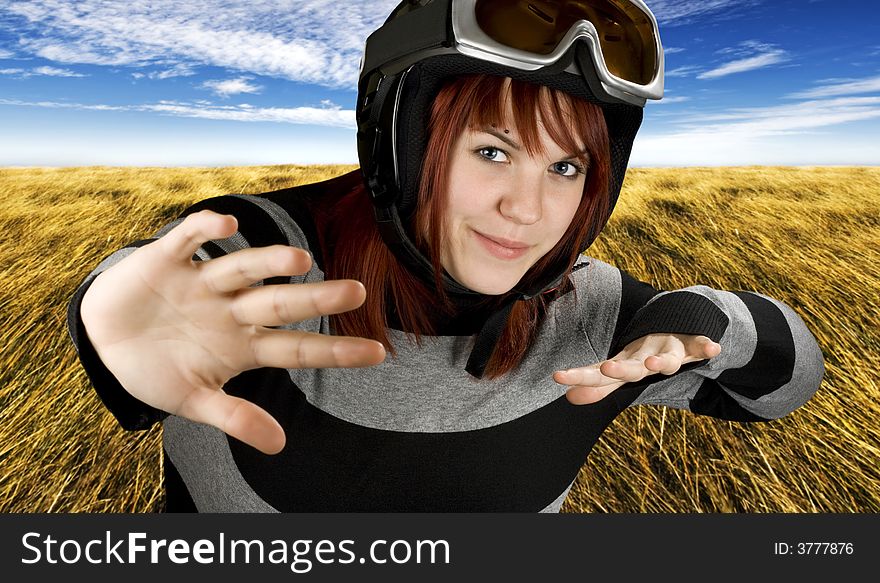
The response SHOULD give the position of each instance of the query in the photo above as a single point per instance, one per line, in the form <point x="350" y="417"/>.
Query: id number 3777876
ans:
<point x="813" y="548"/>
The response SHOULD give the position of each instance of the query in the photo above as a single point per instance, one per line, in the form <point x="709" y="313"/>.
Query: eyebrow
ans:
<point x="506" y="139"/>
<point x="502" y="137"/>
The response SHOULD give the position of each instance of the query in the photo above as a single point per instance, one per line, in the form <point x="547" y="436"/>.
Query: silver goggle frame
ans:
<point x="472" y="41"/>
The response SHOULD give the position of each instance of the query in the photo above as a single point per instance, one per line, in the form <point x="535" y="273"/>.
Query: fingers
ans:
<point x="593" y="383"/>
<point x="275" y="305"/>
<point x="588" y="395"/>
<point x="236" y="417"/>
<point x="181" y="242"/>
<point x="604" y="373"/>
<point x="629" y="369"/>
<point x="588" y="384"/>
<point x="664" y="363"/>
<point x="588" y="375"/>
<point x="240" y="269"/>
<point x="294" y="349"/>
<point x="702" y="347"/>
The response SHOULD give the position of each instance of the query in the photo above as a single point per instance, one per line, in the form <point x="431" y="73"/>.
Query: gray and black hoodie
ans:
<point x="419" y="434"/>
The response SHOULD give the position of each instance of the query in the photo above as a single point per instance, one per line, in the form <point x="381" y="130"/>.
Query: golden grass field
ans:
<point x="807" y="236"/>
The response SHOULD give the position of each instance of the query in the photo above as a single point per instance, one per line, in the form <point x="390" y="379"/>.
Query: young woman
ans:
<point x="423" y="334"/>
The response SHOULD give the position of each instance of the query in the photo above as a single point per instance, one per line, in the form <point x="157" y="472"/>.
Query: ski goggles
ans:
<point x="622" y="35"/>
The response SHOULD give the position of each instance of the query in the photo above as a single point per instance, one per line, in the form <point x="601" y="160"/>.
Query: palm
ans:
<point x="174" y="331"/>
<point x="645" y="356"/>
<point x="179" y="336"/>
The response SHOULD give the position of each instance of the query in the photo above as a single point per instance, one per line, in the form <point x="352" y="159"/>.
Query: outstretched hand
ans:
<point x="648" y="355"/>
<point x="173" y="331"/>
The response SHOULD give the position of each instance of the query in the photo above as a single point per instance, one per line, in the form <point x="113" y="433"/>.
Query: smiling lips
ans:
<point x="502" y="248"/>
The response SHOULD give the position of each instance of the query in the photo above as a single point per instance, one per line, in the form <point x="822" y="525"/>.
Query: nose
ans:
<point x="522" y="202"/>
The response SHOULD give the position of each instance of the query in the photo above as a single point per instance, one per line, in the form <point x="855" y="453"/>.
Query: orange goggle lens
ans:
<point x="626" y="33"/>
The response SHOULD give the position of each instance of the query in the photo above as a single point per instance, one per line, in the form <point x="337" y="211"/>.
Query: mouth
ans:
<point x="500" y="247"/>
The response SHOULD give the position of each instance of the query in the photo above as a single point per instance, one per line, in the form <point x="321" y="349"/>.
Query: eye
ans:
<point x="492" y="153"/>
<point x="567" y="169"/>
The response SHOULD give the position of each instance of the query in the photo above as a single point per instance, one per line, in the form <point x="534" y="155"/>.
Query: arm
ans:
<point x="170" y="331"/>
<point x="769" y="363"/>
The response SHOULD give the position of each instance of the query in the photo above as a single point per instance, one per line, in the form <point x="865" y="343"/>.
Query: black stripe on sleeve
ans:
<point x="678" y="312"/>
<point x="633" y="295"/>
<point x="255" y="225"/>
<point x="713" y="401"/>
<point x="301" y="202"/>
<point x="212" y="249"/>
<point x="772" y="364"/>
<point x="295" y="205"/>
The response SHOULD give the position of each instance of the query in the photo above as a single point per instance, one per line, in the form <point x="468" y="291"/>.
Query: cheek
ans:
<point x="455" y="213"/>
<point x="467" y="200"/>
<point x="563" y="213"/>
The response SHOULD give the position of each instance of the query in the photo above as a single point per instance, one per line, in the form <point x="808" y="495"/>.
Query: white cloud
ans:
<point x="788" y="118"/>
<point x="677" y="12"/>
<point x="747" y="48"/>
<point x="817" y="150"/>
<point x="767" y="55"/>
<point x="311" y="41"/>
<point x="682" y="71"/>
<point x="56" y="72"/>
<point x="178" y="70"/>
<point x="63" y="105"/>
<point x="331" y="115"/>
<point x="41" y="71"/>
<point x="757" y="135"/>
<point x="668" y="100"/>
<point x="53" y="50"/>
<point x="673" y="50"/>
<point x="4" y="54"/>
<point x="294" y="115"/>
<point x="229" y="87"/>
<point x="836" y="87"/>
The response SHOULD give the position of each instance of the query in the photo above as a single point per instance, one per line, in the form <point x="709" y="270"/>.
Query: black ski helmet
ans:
<point x="404" y="65"/>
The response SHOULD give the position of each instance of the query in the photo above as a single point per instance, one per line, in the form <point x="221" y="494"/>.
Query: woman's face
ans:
<point x="505" y="209"/>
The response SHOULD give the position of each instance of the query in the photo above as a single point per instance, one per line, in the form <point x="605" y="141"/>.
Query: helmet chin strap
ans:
<point x="489" y="335"/>
<point x="395" y="237"/>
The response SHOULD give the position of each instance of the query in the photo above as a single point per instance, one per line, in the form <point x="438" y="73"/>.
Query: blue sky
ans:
<point x="217" y="83"/>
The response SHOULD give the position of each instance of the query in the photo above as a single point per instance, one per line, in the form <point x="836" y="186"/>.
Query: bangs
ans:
<point x="564" y="118"/>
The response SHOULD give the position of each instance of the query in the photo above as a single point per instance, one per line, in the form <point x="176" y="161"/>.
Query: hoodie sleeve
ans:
<point x="770" y="364"/>
<point x="261" y="223"/>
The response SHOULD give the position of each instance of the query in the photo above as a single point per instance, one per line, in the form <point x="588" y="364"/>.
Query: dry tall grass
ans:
<point x="808" y="237"/>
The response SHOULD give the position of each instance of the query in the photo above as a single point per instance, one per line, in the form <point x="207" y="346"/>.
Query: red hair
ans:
<point x="353" y="247"/>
